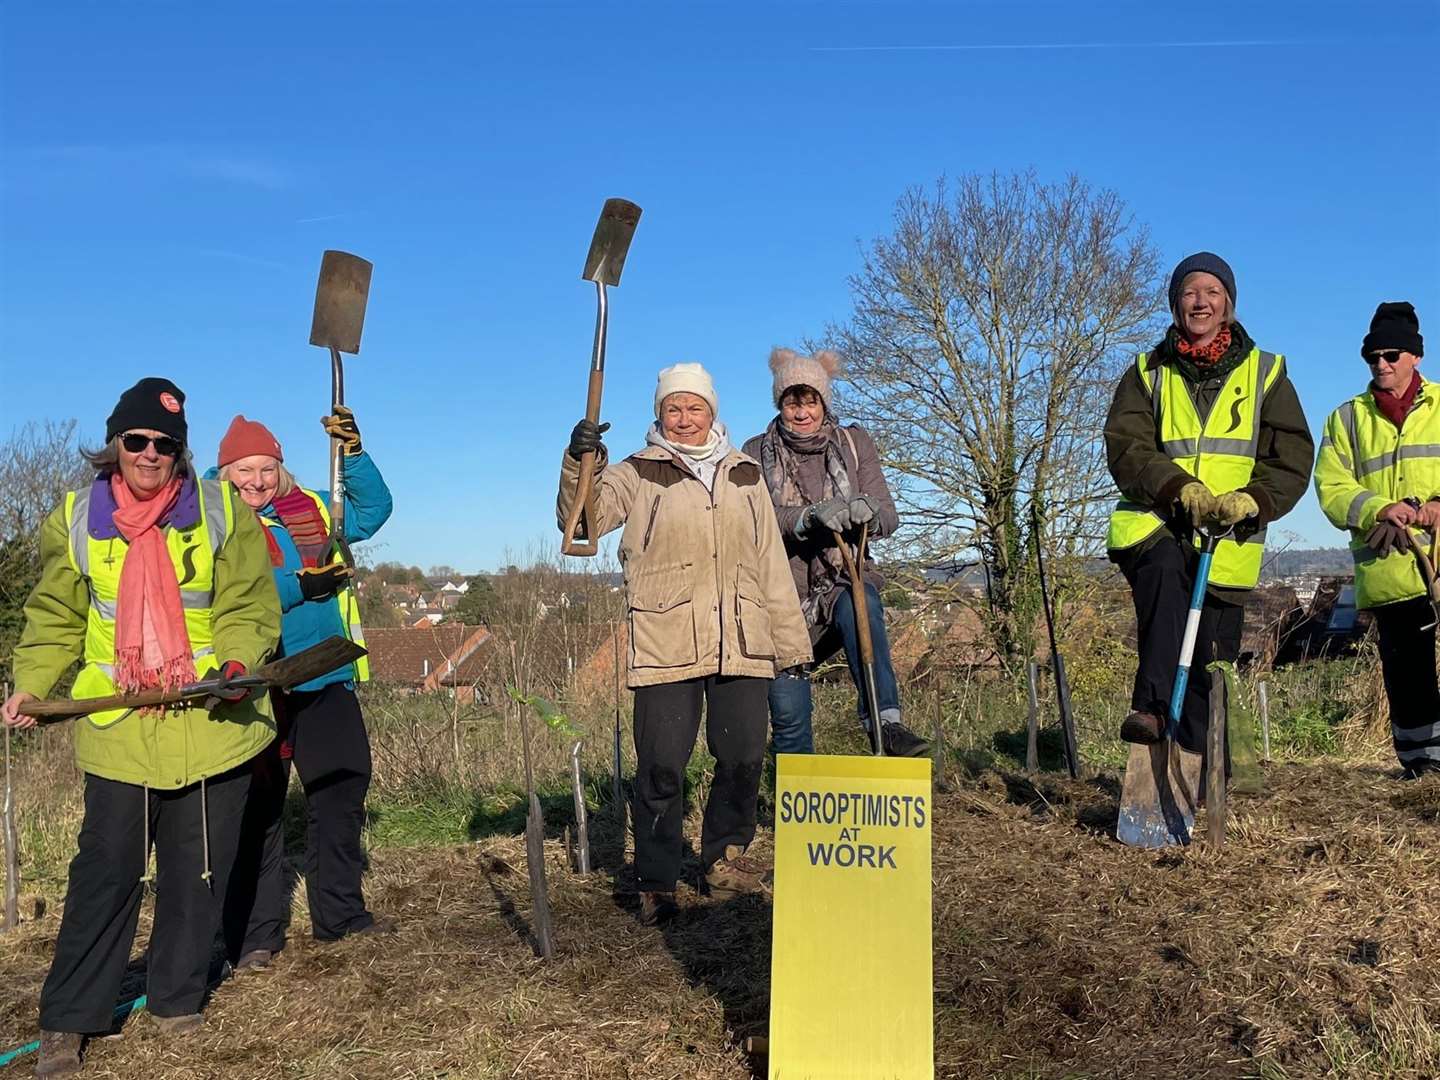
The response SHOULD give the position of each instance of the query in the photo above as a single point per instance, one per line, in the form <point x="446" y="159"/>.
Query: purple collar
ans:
<point x="101" y="523"/>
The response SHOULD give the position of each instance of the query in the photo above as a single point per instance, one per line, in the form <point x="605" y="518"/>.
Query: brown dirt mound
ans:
<point x="1303" y="948"/>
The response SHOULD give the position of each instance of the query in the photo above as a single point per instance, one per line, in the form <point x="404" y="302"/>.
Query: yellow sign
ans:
<point x="851" y="983"/>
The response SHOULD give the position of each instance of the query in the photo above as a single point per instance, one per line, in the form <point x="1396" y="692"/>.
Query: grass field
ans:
<point x="1304" y="948"/>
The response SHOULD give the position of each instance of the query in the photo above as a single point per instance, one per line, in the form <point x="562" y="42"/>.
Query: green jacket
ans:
<point x="175" y="747"/>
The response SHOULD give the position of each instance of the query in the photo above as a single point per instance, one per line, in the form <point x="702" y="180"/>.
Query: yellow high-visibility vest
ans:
<point x="1218" y="450"/>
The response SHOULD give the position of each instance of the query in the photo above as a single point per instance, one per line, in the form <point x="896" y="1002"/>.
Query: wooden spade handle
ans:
<point x="581" y="518"/>
<point x="855" y="566"/>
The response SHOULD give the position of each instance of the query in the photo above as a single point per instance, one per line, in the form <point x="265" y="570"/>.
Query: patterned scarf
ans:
<point x="152" y="646"/>
<point x="780" y="449"/>
<point x="1213" y="361"/>
<point x="301" y="517"/>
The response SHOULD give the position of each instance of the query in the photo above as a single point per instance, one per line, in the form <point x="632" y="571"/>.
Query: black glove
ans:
<point x="1385" y="538"/>
<point x="341" y="425"/>
<point x="585" y="438"/>
<point x="322" y="582"/>
<point x="224" y="693"/>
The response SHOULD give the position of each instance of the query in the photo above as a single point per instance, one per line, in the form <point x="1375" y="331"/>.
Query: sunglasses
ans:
<point x="165" y="446"/>
<point x="1390" y="356"/>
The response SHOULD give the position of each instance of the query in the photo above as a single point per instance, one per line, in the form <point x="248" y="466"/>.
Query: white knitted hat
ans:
<point x="793" y="369"/>
<point x="686" y="379"/>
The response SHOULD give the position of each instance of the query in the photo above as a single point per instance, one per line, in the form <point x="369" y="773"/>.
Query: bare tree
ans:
<point x="988" y="332"/>
<point x="38" y="464"/>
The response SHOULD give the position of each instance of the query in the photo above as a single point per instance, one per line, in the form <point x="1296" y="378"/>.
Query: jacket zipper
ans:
<point x="650" y="527"/>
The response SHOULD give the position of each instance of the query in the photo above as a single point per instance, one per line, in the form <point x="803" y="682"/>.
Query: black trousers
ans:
<point x="1161" y="578"/>
<point x="102" y="902"/>
<point x="667" y="721"/>
<point x="331" y="752"/>
<point x="1407" y="660"/>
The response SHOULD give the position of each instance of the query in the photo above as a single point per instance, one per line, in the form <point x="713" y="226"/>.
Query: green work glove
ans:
<point x="1199" y="504"/>
<point x="341" y="425"/>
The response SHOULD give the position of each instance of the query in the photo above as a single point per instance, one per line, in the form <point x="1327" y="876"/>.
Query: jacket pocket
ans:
<point x="662" y="617"/>
<point x="752" y="616"/>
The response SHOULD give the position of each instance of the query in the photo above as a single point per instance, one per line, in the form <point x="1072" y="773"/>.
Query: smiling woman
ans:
<point x="152" y="579"/>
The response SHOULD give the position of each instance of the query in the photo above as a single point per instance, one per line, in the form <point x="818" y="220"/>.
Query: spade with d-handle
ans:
<point x="340" y="298"/>
<point x="855" y="566"/>
<point x="603" y="266"/>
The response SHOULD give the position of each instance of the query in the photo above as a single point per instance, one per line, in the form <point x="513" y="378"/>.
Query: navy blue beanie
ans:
<point x="1205" y="262"/>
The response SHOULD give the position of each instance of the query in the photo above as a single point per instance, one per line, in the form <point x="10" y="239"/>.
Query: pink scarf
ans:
<point x="152" y="646"/>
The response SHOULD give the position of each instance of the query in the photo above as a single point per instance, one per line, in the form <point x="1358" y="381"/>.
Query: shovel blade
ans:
<point x="340" y="297"/>
<point x="611" y="242"/>
<point x="311" y="663"/>
<point x="1157" y="803"/>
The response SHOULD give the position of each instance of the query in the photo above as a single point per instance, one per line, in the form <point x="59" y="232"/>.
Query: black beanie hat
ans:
<point x="1204" y="262"/>
<point x="156" y="404"/>
<point x="1394" y="326"/>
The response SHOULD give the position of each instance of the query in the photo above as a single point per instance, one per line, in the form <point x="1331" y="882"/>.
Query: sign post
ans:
<point x="851" y="977"/>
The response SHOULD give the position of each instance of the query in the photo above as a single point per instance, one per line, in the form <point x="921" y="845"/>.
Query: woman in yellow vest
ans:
<point x="1378" y="476"/>
<point x="321" y="726"/>
<point x="152" y="578"/>
<point x="1204" y="430"/>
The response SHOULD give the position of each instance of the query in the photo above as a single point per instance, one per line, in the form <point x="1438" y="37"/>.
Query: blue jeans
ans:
<point x="791" y="705"/>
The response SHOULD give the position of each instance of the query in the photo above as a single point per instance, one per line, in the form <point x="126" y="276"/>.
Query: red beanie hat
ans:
<point x="247" y="437"/>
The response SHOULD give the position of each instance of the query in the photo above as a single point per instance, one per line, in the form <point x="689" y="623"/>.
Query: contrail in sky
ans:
<point x="1246" y="44"/>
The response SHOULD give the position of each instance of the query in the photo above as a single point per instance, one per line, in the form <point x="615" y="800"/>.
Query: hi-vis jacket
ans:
<point x="231" y="613"/>
<point x="707" y="583"/>
<point x="1366" y="464"/>
<point x="1246" y="433"/>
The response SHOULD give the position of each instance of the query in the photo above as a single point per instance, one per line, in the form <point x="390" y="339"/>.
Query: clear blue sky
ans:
<point x="171" y="173"/>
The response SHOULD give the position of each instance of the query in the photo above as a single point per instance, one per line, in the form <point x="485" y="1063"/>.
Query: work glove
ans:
<point x="322" y="582"/>
<point x="224" y="693"/>
<point x="585" y="438"/>
<point x="1199" y="504"/>
<point x="832" y="514"/>
<point x="863" y="509"/>
<point x="1234" y="507"/>
<point x="341" y="425"/>
<point x="1386" y="537"/>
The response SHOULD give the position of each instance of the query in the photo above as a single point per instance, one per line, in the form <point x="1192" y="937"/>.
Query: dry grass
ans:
<point x="1304" y="948"/>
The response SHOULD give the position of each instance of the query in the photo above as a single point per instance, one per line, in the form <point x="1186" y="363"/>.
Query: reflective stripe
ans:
<point x="1328" y="443"/>
<point x="215" y="515"/>
<point x="1209" y="444"/>
<point x="1421" y="734"/>
<point x="1269" y="362"/>
<point x="189" y="599"/>
<point x="1357" y="504"/>
<point x="1347" y="418"/>
<point x="1423" y="753"/>
<point x="80" y="531"/>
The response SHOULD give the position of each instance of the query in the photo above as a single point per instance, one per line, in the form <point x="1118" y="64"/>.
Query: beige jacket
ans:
<point x="707" y="584"/>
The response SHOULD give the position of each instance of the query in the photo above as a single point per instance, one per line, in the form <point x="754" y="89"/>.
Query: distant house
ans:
<point x="431" y="658"/>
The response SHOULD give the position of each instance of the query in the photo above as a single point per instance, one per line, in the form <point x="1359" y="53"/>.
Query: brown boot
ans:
<point x="735" y="875"/>
<point x="1142" y="727"/>
<point x="657" y="908"/>
<point x="254" y="960"/>
<point x="175" y="1026"/>
<point x="59" y="1053"/>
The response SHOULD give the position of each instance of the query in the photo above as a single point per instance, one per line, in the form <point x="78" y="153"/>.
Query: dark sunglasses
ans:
<point x="165" y="446"/>
<point x="1390" y="356"/>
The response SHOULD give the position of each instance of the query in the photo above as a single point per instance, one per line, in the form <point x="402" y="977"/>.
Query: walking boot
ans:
<point x="735" y="875"/>
<point x="657" y="908"/>
<point x="59" y="1053"/>
<point x="1142" y="727"/>
<point x="900" y="741"/>
<point x="176" y="1026"/>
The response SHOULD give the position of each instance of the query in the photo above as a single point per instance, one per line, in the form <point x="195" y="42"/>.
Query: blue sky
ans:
<point x="172" y="172"/>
